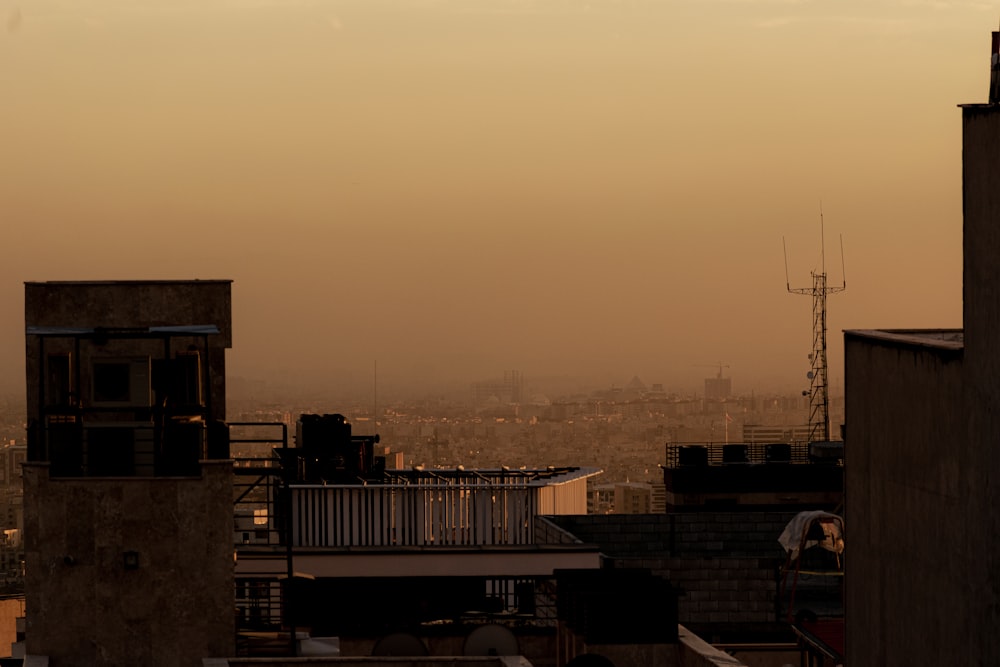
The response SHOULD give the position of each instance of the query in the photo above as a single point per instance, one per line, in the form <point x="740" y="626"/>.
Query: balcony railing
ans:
<point x="77" y="448"/>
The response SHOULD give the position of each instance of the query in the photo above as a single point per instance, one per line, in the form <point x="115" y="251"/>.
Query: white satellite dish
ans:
<point x="400" y="644"/>
<point x="491" y="640"/>
<point x="327" y="646"/>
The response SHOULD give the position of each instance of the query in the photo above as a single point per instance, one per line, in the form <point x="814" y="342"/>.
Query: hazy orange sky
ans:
<point x="451" y="188"/>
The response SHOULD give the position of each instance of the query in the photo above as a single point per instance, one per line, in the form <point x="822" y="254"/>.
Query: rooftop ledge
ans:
<point x="938" y="339"/>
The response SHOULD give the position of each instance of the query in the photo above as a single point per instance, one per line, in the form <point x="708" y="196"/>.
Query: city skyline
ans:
<point x="453" y="189"/>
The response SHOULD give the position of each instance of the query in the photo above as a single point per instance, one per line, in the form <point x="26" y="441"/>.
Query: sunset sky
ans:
<point x="451" y="188"/>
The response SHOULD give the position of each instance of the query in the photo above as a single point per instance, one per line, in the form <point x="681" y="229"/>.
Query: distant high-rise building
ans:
<point x="504" y="391"/>
<point x="718" y="388"/>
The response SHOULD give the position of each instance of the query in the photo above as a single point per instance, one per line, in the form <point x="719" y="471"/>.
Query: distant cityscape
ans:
<point x="619" y="429"/>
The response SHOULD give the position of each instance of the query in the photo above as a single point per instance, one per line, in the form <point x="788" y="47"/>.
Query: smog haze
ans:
<point x="447" y="189"/>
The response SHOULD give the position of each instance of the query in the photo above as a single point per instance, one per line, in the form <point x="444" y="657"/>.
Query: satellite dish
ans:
<point x="809" y="375"/>
<point x="590" y="660"/>
<point x="326" y="646"/>
<point x="401" y="644"/>
<point x="491" y="640"/>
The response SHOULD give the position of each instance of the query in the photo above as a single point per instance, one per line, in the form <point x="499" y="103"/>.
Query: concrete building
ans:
<point x="128" y="484"/>
<point x="923" y="467"/>
<point x="621" y="498"/>
<point x="499" y="392"/>
<point x="718" y="388"/>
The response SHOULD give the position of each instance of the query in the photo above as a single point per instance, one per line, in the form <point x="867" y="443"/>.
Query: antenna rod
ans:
<point x="822" y="240"/>
<point x="788" y="285"/>
<point x="843" y="271"/>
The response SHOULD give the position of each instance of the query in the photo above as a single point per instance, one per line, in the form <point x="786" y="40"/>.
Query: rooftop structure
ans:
<point x="777" y="475"/>
<point x="128" y="479"/>
<point x="323" y="519"/>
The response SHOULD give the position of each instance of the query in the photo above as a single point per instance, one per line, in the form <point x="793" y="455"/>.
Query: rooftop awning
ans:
<point x="123" y="332"/>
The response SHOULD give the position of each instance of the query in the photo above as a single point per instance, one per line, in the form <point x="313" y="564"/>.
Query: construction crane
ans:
<point x="719" y="365"/>
<point x="819" y="398"/>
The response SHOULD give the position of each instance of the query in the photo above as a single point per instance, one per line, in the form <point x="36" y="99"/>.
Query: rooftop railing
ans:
<point x="687" y="455"/>
<point x="422" y="514"/>
<point x="411" y="508"/>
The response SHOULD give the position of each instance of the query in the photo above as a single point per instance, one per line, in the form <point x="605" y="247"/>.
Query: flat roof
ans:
<point x="127" y="282"/>
<point x="940" y="339"/>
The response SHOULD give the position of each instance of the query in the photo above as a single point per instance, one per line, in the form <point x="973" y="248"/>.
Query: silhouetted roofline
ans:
<point x="119" y="332"/>
<point x="938" y="339"/>
<point x="128" y="282"/>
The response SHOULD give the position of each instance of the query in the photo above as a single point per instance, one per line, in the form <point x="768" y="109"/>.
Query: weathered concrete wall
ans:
<point x="130" y="303"/>
<point x="175" y="608"/>
<point x="915" y="509"/>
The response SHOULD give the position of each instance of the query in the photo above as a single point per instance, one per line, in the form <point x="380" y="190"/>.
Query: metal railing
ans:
<point x="422" y="514"/>
<point x="258" y="604"/>
<point x="257" y="481"/>
<point x="123" y="449"/>
<point x="417" y="507"/>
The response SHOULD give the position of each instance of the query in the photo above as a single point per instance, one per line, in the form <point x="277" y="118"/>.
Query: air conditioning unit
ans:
<point x="826" y="451"/>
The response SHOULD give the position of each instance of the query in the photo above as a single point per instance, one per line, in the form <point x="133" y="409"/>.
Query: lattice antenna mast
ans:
<point x="819" y="397"/>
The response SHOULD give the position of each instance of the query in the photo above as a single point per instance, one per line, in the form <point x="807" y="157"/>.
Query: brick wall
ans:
<point x="723" y="563"/>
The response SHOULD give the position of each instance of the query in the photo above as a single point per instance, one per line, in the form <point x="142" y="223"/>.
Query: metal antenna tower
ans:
<point x="819" y="398"/>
